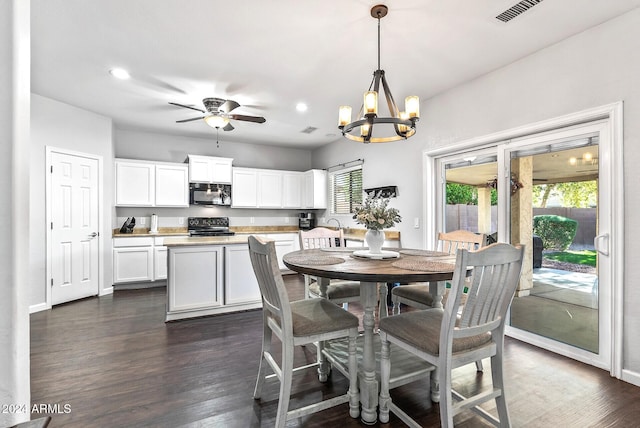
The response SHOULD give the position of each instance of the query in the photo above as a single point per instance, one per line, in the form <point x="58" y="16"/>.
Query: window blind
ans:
<point x="346" y="190"/>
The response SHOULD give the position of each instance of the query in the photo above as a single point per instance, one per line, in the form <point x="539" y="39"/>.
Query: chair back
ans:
<point x="320" y="237"/>
<point x="495" y="274"/>
<point x="275" y="299"/>
<point x="450" y="242"/>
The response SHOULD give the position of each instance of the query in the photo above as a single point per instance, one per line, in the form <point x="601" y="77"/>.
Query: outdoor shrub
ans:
<point x="556" y="232"/>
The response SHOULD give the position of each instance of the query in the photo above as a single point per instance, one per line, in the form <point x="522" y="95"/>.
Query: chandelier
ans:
<point x="403" y="122"/>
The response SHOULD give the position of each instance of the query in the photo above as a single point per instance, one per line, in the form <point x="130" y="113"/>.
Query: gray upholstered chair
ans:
<point x="417" y="295"/>
<point x="459" y="334"/>
<point x="339" y="292"/>
<point x="298" y="323"/>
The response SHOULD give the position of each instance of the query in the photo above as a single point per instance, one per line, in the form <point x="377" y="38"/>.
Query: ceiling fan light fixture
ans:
<point x="216" y="121"/>
<point x="402" y="123"/>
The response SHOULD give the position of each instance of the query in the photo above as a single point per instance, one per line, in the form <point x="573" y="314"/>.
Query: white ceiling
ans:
<point x="270" y="55"/>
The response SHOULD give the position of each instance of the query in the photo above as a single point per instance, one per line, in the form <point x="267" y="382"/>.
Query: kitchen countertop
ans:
<point x="349" y="233"/>
<point x="188" y="241"/>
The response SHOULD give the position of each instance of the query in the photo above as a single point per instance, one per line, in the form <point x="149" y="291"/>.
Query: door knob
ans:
<point x="93" y="235"/>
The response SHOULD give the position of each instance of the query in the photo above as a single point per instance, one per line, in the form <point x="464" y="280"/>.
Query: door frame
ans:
<point x="612" y="115"/>
<point x="49" y="150"/>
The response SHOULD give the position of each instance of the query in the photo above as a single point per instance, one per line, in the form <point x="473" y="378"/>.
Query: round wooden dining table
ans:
<point x="355" y="264"/>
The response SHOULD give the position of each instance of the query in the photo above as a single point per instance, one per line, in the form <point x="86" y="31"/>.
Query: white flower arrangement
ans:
<point x="374" y="214"/>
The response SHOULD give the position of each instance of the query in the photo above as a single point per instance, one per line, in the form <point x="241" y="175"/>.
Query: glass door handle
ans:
<point x="598" y="244"/>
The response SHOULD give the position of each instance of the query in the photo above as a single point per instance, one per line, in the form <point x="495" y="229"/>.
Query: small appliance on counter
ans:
<point x="306" y="221"/>
<point x="209" y="194"/>
<point x="128" y="225"/>
<point x="154" y="224"/>
<point x="209" y="226"/>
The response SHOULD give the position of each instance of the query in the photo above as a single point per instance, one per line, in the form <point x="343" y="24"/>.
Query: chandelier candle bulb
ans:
<point x="364" y="130"/>
<point x="412" y="106"/>
<point x="404" y="116"/>
<point x="370" y="103"/>
<point x="344" y="116"/>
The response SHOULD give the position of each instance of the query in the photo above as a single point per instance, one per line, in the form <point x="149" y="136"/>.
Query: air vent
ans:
<point x="517" y="10"/>
<point x="309" y="130"/>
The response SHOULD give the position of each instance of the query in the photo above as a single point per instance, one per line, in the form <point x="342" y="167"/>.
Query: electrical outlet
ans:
<point x="252" y="220"/>
<point x="143" y="221"/>
<point x="181" y="221"/>
<point x="416" y="223"/>
<point x="286" y="220"/>
<point x="322" y="220"/>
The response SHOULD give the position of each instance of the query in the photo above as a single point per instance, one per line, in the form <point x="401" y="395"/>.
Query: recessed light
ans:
<point x="301" y="107"/>
<point x="119" y="73"/>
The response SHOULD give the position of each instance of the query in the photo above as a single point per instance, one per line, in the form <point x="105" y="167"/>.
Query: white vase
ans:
<point x="374" y="240"/>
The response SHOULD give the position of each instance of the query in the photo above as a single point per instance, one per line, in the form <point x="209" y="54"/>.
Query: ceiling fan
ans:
<point x="218" y="113"/>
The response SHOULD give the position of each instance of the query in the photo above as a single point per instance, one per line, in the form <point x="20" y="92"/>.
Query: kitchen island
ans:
<point x="213" y="275"/>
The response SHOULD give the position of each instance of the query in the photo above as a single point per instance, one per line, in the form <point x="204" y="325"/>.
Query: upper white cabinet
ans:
<point x="292" y="189"/>
<point x="135" y="183"/>
<point x="210" y="169"/>
<point x="151" y="184"/>
<point x="315" y="189"/>
<point x="270" y="188"/>
<point x="244" y="190"/>
<point x="172" y="185"/>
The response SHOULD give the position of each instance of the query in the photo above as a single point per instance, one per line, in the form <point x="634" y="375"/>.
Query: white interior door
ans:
<point x="74" y="241"/>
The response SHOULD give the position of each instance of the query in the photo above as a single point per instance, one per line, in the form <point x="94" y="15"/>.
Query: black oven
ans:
<point x="209" y="194"/>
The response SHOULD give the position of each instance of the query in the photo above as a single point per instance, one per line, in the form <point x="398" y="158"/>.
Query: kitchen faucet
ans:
<point x="337" y="221"/>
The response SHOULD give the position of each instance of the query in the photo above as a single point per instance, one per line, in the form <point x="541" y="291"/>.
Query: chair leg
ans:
<point x="385" y="374"/>
<point x="396" y="304"/>
<point x="498" y="382"/>
<point x="285" y="384"/>
<point x="383" y="311"/>
<point x="323" y="364"/>
<point x="266" y="349"/>
<point x="446" y="399"/>
<point x="479" y="367"/>
<point x="354" y="396"/>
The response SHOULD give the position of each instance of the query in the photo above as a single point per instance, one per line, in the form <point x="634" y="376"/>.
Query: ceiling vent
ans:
<point x="517" y="10"/>
<point x="309" y="130"/>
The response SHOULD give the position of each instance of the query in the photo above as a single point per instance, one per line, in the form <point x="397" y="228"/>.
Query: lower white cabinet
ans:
<point x="195" y="279"/>
<point x="139" y="259"/>
<point x="240" y="284"/>
<point x="132" y="259"/>
<point x="285" y="243"/>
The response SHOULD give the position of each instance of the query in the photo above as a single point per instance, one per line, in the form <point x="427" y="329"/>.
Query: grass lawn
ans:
<point x="585" y="257"/>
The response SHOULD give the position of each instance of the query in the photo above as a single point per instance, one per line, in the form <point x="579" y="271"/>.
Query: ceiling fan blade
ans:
<point x="189" y="107"/>
<point x="228" y="127"/>
<point x="229" y="105"/>
<point x="256" y="119"/>
<point x="189" y="120"/>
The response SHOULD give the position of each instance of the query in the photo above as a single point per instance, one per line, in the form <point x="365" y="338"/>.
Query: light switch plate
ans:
<point x="416" y="223"/>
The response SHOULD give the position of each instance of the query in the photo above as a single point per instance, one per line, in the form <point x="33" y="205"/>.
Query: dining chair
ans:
<point x="417" y="295"/>
<point x="459" y="334"/>
<point x="298" y="323"/>
<point x="339" y="292"/>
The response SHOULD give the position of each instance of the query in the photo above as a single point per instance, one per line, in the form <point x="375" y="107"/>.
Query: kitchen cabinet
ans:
<point x="315" y="189"/>
<point x="194" y="281"/>
<point x="151" y="184"/>
<point x="135" y="183"/>
<point x="269" y="188"/>
<point x="244" y="189"/>
<point x="292" y="189"/>
<point x="285" y="243"/>
<point x="172" y="185"/>
<point x="210" y="169"/>
<point x="139" y="259"/>
<point x="240" y="284"/>
<point x="133" y="260"/>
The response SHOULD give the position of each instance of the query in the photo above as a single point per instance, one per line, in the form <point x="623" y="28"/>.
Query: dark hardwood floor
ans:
<point x="113" y="362"/>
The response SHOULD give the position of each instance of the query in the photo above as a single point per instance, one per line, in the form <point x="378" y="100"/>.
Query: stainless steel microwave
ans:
<point x="209" y="194"/>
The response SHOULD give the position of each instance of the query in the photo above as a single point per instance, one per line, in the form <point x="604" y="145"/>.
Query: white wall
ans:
<point x="14" y="208"/>
<point x="63" y="126"/>
<point x="590" y="69"/>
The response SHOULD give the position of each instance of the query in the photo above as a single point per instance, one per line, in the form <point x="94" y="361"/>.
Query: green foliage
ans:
<point x="585" y="257"/>
<point x="582" y="194"/>
<point x="466" y="195"/>
<point x="556" y="232"/>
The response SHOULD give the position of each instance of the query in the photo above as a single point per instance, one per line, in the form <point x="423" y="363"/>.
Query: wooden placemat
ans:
<point x="427" y="265"/>
<point x="315" y="260"/>
<point x="425" y="253"/>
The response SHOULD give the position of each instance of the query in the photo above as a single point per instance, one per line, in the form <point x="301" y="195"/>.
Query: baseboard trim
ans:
<point x="38" y="308"/>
